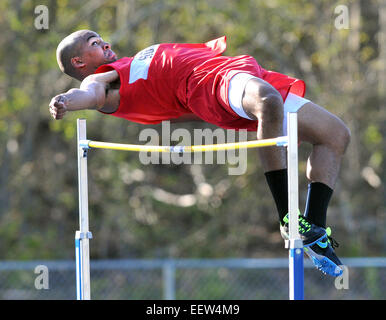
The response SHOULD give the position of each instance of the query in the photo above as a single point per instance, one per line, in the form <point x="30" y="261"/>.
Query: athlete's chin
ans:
<point x="111" y="57"/>
<point x="110" y="60"/>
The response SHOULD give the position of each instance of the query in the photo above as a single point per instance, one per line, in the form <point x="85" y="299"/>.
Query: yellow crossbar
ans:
<point x="279" y="141"/>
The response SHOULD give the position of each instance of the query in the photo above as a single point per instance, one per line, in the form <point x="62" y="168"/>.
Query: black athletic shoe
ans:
<point x="323" y="255"/>
<point x="309" y="232"/>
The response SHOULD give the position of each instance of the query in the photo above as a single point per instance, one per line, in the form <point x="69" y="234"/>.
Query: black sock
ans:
<point x="278" y="184"/>
<point x="318" y="198"/>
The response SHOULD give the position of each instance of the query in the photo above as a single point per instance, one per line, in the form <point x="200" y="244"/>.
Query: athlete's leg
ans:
<point x="263" y="102"/>
<point x="256" y="99"/>
<point x="329" y="137"/>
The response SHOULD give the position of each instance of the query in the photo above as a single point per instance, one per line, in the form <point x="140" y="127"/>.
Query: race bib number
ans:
<point x="139" y="68"/>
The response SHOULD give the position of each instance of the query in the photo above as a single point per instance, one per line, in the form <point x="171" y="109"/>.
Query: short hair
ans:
<point x="68" y="48"/>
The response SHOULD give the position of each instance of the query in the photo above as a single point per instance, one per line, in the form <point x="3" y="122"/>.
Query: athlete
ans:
<point x="172" y="81"/>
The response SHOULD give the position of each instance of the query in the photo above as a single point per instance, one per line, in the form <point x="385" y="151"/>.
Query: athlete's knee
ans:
<point x="264" y="102"/>
<point x="344" y="137"/>
<point x="271" y="108"/>
<point x="339" y="137"/>
<point x="320" y="127"/>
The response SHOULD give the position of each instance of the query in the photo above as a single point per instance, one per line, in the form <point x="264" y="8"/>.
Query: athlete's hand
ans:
<point x="58" y="106"/>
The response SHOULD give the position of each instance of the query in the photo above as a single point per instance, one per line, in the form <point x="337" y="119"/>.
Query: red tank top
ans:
<point x="165" y="81"/>
<point x="154" y="81"/>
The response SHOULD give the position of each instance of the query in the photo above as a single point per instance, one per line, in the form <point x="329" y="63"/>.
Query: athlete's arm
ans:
<point x="91" y="95"/>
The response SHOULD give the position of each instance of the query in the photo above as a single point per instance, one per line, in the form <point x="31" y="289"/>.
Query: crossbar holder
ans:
<point x="294" y="244"/>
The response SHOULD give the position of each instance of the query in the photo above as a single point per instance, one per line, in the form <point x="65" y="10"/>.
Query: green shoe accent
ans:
<point x="331" y="240"/>
<point x="286" y="220"/>
<point x="309" y="233"/>
<point x="304" y="225"/>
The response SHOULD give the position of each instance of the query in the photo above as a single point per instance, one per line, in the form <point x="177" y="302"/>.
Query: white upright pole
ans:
<point x="83" y="235"/>
<point x="295" y="244"/>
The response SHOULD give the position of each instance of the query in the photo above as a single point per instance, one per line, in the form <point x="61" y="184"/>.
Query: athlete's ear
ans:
<point x="77" y="62"/>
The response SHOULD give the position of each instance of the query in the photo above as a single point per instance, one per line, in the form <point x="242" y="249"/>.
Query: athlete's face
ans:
<point x="95" y="51"/>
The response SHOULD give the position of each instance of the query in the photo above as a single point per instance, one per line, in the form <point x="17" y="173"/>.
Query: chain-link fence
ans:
<point x="241" y="279"/>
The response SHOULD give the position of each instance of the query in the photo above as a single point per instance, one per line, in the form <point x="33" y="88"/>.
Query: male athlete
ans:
<point x="194" y="81"/>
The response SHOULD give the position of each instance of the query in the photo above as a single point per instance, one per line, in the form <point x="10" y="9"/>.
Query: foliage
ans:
<point x="38" y="174"/>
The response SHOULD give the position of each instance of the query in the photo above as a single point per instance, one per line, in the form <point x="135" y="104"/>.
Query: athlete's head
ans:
<point x="82" y="52"/>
